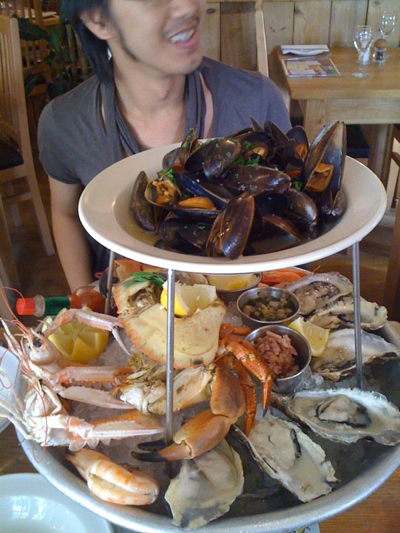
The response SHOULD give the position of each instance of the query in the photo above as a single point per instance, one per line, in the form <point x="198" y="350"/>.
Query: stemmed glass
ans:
<point x="362" y="41"/>
<point x="387" y="23"/>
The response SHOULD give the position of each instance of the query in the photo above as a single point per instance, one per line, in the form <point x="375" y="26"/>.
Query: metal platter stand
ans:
<point x="104" y="212"/>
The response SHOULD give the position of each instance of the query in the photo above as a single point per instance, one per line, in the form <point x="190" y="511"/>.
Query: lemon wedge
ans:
<point x="78" y="342"/>
<point x="231" y="282"/>
<point x="317" y="337"/>
<point x="189" y="298"/>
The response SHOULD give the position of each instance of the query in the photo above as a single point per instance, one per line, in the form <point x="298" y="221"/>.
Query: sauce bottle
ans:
<point x="50" y="305"/>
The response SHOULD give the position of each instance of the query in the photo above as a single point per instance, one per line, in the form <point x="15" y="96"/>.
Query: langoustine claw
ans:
<point x="112" y="482"/>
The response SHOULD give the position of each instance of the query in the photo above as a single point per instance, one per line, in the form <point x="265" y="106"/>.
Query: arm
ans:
<point x="72" y="246"/>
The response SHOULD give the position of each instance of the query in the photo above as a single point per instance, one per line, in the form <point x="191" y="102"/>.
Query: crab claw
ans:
<point x="204" y="431"/>
<point x="112" y="482"/>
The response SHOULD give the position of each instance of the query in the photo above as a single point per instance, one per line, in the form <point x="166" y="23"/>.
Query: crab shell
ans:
<point x="195" y="336"/>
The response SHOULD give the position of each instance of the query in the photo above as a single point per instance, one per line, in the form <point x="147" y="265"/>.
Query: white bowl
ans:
<point x="8" y="375"/>
<point x="28" y="503"/>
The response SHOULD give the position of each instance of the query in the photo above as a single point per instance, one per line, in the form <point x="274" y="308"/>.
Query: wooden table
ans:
<point x="374" y="99"/>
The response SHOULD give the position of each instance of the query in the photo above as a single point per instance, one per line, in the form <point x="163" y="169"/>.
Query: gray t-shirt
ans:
<point x="75" y="143"/>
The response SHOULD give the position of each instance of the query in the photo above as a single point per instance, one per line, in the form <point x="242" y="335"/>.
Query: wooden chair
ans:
<point x="235" y="34"/>
<point x="16" y="161"/>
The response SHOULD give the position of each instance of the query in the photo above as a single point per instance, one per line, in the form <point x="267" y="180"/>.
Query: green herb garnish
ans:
<point x="167" y="173"/>
<point x="139" y="277"/>
<point x="296" y="184"/>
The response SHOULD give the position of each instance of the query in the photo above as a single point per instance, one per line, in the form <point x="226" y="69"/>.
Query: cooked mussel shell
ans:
<point x="255" y="180"/>
<point x="146" y="214"/>
<point x="214" y="156"/>
<point x="301" y="210"/>
<point x="231" y="228"/>
<point x="179" y="233"/>
<point x="176" y="158"/>
<point x="325" y="161"/>
<point x="198" y="185"/>
<point x="332" y="207"/>
<point x="162" y="192"/>
<point x="195" y="208"/>
<point x="299" y="136"/>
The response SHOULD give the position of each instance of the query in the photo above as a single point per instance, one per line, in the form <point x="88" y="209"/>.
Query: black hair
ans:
<point x="95" y="49"/>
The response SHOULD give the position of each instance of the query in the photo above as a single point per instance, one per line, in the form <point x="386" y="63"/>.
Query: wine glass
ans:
<point x="362" y="41"/>
<point x="387" y="23"/>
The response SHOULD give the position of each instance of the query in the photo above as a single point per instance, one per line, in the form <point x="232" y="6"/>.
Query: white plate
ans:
<point x="8" y="375"/>
<point x="28" y="503"/>
<point x="104" y="212"/>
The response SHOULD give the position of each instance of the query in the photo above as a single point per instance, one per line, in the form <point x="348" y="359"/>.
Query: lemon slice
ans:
<point x="78" y="342"/>
<point x="317" y="337"/>
<point x="231" y="282"/>
<point x="189" y="298"/>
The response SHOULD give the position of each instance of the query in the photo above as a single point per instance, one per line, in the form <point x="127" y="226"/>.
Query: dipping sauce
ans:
<point x="269" y="308"/>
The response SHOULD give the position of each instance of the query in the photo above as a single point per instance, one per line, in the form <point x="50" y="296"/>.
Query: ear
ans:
<point x="98" y="23"/>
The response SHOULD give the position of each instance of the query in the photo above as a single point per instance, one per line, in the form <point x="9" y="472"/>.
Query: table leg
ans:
<point x="381" y="139"/>
<point x="314" y="116"/>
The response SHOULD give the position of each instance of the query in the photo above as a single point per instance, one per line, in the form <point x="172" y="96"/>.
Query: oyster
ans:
<point x="317" y="290"/>
<point x="341" y="311"/>
<point x="290" y="456"/>
<point x="205" y="487"/>
<point x="345" y="415"/>
<point x="338" y="358"/>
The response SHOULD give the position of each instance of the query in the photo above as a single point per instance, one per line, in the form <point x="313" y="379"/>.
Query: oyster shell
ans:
<point x="287" y="454"/>
<point x="317" y="290"/>
<point x="341" y="311"/>
<point x="345" y="415"/>
<point x="338" y="359"/>
<point x="205" y="487"/>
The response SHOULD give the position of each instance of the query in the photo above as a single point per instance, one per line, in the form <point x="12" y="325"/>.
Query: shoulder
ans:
<point x="239" y="94"/>
<point x="67" y="106"/>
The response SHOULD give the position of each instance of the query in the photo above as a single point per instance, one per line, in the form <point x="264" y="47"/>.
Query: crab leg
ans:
<point x="247" y="355"/>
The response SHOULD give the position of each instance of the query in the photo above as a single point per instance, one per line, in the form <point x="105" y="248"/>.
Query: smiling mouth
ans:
<point x="182" y="37"/>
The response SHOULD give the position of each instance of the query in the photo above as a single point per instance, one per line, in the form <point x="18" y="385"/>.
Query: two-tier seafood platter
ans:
<point x="243" y="456"/>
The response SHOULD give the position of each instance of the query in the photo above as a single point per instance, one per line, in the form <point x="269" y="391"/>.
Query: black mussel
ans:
<point x="214" y="156"/>
<point x="230" y="232"/>
<point x="145" y="213"/>
<point x="181" y="234"/>
<point x="274" y="133"/>
<point x="271" y="203"/>
<point x="197" y="185"/>
<point x="196" y="208"/>
<point x="301" y="210"/>
<point x="176" y="159"/>
<point x="255" y="179"/>
<point x="162" y="191"/>
<point x="325" y="161"/>
<point x="332" y="206"/>
<point x="299" y="136"/>
<point x="283" y="224"/>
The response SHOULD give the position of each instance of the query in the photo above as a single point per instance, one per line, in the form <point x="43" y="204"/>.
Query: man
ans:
<point x="154" y="89"/>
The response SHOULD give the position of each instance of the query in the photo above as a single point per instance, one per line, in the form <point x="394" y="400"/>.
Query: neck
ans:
<point x="152" y="105"/>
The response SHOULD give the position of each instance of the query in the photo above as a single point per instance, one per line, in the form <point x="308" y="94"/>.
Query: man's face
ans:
<point x="162" y="35"/>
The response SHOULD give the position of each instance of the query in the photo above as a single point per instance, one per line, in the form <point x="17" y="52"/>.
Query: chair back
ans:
<point x="234" y="33"/>
<point x="12" y="97"/>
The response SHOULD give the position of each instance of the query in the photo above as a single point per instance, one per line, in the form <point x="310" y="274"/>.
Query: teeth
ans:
<point x="181" y="37"/>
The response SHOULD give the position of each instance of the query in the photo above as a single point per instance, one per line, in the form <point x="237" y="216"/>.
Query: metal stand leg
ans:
<point x="357" y="313"/>
<point x="110" y="274"/>
<point x="169" y="429"/>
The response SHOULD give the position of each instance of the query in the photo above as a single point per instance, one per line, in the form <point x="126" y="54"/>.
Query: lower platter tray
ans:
<point x="360" y="468"/>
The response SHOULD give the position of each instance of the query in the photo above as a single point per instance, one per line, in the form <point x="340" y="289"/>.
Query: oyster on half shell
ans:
<point x="345" y="415"/>
<point x="317" y="290"/>
<point x="339" y="360"/>
<point x="287" y="454"/>
<point x="205" y="487"/>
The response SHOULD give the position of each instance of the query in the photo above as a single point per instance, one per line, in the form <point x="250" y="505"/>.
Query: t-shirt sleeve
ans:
<point x="274" y="103"/>
<point x="54" y="146"/>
